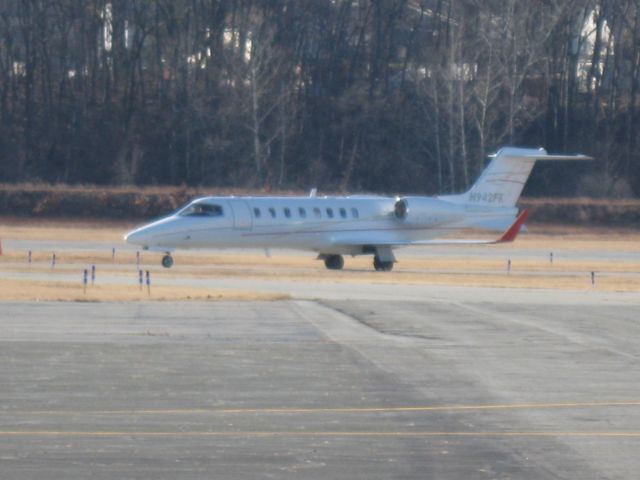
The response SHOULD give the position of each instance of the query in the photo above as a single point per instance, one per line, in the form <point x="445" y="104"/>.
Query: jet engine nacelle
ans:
<point x="427" y="211"/>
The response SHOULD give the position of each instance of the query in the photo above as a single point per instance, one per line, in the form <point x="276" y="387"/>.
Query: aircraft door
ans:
<point x="241" y="214"/>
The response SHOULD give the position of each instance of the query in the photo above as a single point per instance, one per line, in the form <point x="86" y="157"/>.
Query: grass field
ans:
<point x="113" y="231"/>
<point x="564" y="273"/>
<point x="34" y="290"/>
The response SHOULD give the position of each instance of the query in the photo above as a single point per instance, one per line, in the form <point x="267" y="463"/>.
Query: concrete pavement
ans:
<point x="458" y="383"/>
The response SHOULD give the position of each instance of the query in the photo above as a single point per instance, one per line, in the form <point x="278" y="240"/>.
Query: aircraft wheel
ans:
<point x="381" y="266"/>
<point x="167" y="261"/>
<point x="334" y="262"/>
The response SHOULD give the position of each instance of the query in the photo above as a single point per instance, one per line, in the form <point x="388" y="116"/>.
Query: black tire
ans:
<point x="381" y="266"/>
<point x="167" y="261"/>
<point x="387" y="266"/>
<point x="334" y="262"/>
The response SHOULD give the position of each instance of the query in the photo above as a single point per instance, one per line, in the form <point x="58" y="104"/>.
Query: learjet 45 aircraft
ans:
<point x="351" y="225"/>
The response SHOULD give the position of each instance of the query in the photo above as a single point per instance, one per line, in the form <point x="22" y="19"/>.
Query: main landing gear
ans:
<point x="167" y="261"/>
<point x="334" y="262"/>
<point x="382" y="266"/>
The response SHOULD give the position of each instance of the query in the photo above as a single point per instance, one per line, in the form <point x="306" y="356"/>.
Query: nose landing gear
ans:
<point x="167" y="261"/>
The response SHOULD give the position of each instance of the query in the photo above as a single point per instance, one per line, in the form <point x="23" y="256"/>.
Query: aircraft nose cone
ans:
<point x="137" y="237"/>
<point x="154" y="234"/>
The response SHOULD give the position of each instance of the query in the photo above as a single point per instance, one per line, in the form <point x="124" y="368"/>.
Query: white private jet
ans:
<point x="351" y="225"/>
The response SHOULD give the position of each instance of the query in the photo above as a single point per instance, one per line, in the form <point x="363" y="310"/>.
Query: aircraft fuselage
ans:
<point x="331" y="225"/>
<point x="354" y="225"/>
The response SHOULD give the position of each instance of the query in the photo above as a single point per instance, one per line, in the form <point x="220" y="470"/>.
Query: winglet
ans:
<point x="512" y="232"/>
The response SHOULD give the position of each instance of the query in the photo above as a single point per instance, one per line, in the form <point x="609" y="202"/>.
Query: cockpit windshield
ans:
<point x="201" y="210"/>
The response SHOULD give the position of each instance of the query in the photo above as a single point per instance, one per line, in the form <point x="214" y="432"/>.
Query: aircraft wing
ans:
<point x="509" y="235"/>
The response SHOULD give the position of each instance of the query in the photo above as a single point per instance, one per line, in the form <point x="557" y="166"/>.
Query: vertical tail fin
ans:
<point x="501" y="183"/>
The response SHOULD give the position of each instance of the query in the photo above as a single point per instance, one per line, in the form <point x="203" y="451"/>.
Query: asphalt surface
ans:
<point x="347" y="380"/>
<point x="432" y="383"/>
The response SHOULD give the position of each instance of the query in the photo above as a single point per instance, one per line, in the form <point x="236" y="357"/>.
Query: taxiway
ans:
<point x="453" y="383"/>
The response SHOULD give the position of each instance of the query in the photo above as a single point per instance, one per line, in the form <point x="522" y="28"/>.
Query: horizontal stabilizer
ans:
<point x="501" y="183"/>
<point x="577" y="156"/>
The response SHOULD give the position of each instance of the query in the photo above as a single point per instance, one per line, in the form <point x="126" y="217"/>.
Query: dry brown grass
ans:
<point x="31" y="290"/>
<point x="515" y="280"/>
<point x="255" y="265"/>
<point x="64" y="230"/>
<point x="551" y="236"/>
<point x="427" y="270"/>
<point x="568" y="275"/>
<point x="625" y="202"/>
<point x="234" y="264"/>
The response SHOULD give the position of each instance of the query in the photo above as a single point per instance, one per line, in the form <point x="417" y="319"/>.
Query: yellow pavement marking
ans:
<point x="55" y="433"/>
<point x="213" y="411"/>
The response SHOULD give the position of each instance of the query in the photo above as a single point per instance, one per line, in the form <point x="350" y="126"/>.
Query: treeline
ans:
<point x="378" y="95"/>
<point x="131" y="203"/>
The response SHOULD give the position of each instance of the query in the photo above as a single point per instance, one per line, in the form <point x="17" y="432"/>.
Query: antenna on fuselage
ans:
<point x="313" y="192"/>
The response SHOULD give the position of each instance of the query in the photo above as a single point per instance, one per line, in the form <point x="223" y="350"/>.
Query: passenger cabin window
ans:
<point x="287" y="212"/>
<point x="354" y="213"/>
<point x="257" y="213"/>
<point x="343" y="213"/>
<point x="317" y="213"/>
<point x="302" y="212"/>
<point x="329" y="212"/>
<point x="202" y="210"/>
<point x="272" y="212"/>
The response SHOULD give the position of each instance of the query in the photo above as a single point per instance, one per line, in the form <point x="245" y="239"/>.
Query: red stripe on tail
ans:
<point x="512" y="232"/>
